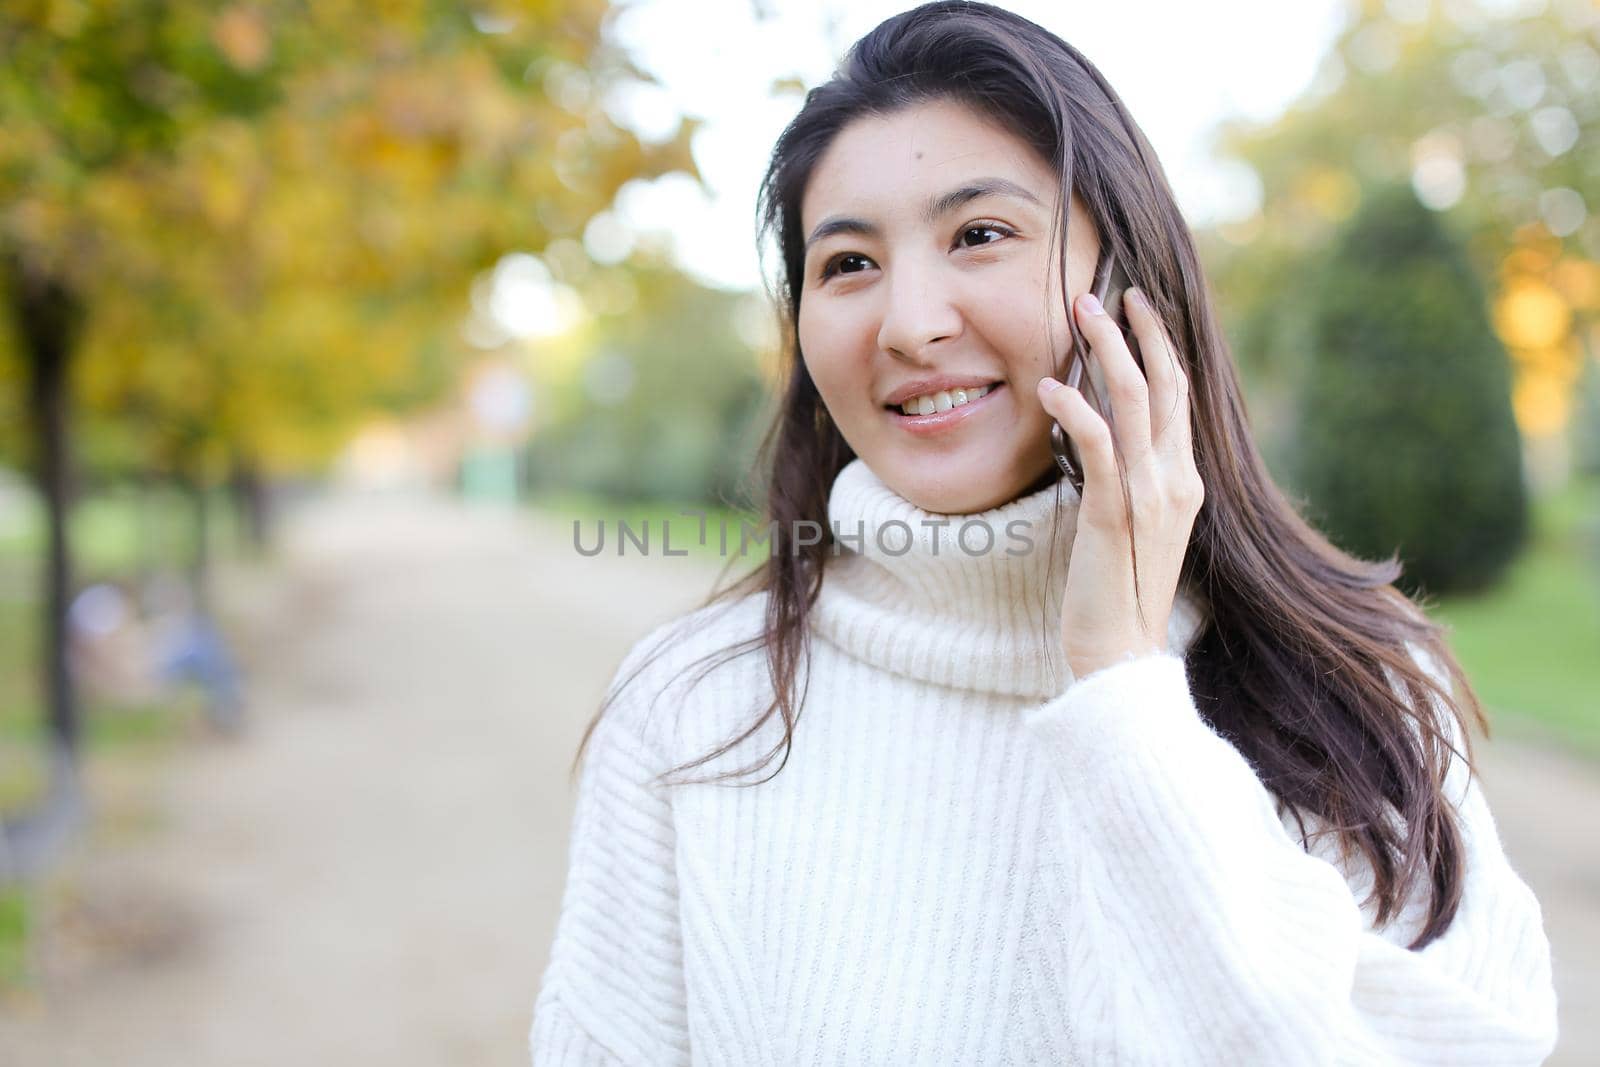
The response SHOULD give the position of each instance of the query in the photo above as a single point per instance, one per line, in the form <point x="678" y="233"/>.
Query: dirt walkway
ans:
<point x="372" y="875"/>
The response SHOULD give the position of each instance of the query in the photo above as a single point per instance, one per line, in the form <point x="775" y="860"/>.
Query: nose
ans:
<point x="920" y="309"/>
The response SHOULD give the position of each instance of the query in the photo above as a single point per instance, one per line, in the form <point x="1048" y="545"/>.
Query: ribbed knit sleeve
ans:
<point x="1201" y="932"/>
<point x="613" y="992"/>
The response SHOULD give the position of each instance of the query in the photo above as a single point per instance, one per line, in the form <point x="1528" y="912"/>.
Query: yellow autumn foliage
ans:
<point x="279" y="239"/>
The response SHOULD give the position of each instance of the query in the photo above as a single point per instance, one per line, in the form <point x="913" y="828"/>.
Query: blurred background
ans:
<point x="322" y="324"/>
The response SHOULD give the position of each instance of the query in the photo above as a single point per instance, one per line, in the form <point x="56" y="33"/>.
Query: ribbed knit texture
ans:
<point x="971" y="857"/>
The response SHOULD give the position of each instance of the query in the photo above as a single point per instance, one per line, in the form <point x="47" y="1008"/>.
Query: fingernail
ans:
<point x="1049" y="385"/>
<point x="1092" y="304"/>
<point x="1137" y="295"/>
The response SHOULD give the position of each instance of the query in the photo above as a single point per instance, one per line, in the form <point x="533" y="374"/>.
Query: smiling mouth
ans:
<point x="942" y="401"/>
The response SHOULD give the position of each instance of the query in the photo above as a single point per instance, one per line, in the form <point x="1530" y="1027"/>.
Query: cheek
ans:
<point x="1026" y="321"/>
<point x="826" y="348"/>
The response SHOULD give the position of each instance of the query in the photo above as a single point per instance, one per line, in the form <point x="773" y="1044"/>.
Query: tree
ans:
<point x="228" y="233"/>
<point x="1495" y="118"/>
<point x="1406" y="437"/>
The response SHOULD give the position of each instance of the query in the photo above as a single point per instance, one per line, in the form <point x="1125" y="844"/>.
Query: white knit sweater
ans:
<point x="972" y="858"/>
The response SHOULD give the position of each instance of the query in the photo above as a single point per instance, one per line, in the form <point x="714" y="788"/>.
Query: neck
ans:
<point x="970" y="601"/>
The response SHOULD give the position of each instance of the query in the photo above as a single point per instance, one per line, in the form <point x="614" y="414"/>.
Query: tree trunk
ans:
<point x="148" y="535"/>
<point x="200" y="561"/>
<point x="48" y="313"/>
<point x="251" y="506"/>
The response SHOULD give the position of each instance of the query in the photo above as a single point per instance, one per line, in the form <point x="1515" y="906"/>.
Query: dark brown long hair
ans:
<point x="1307" y="661"/>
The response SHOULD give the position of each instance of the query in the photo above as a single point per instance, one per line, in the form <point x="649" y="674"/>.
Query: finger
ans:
<point x="1088" y="431"/>
<point x="1130" y="396"/>
<point x="1166" y="384"/>
<point x="1160" y="370"/>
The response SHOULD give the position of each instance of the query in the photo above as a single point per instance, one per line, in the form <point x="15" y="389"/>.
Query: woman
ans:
<point x="1027" y="816"/>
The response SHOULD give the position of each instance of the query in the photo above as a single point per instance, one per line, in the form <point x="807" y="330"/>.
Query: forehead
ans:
<point x="881" y="164"/>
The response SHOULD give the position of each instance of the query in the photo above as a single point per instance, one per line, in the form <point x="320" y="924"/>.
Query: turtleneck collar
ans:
<point x="928" y="596"/>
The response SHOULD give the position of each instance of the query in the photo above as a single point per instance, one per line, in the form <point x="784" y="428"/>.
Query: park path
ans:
<point x="372" y="874"/>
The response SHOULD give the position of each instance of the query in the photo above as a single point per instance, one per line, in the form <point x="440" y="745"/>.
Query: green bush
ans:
<point x="1405" y="438"/>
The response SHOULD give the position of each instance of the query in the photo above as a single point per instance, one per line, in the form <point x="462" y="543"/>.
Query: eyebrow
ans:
<point x="936" y="207"/>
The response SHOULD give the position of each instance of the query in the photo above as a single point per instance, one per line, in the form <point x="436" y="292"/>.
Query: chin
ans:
<point x="972" y="489"/>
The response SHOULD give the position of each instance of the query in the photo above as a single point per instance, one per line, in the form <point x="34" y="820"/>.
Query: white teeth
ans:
<point x="943" y="400"/>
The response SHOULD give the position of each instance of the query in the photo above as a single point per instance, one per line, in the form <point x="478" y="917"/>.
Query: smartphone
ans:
<point x="1110" y="282"/>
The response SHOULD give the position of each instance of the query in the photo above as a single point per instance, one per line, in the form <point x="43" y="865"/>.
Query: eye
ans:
<point x="833" y="265"/>
<point x="987" y="227"/>
<point x="830" y="268"/>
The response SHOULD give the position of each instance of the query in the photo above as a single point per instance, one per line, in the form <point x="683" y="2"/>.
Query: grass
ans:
<point x="16" y="912"/>
<point x="114" y="533"/>
<point x="116" y="530"/>
<point x="1531" y="647"/>
<point x="20" y="755"/>
<point x="118" y="730"/>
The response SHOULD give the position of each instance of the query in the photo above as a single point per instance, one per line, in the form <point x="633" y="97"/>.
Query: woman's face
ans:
<point x="967" y="295"/>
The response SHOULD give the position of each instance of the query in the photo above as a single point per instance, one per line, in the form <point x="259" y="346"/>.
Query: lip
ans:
<point x="921" y="386"/>
<point x="940" y="421"/>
